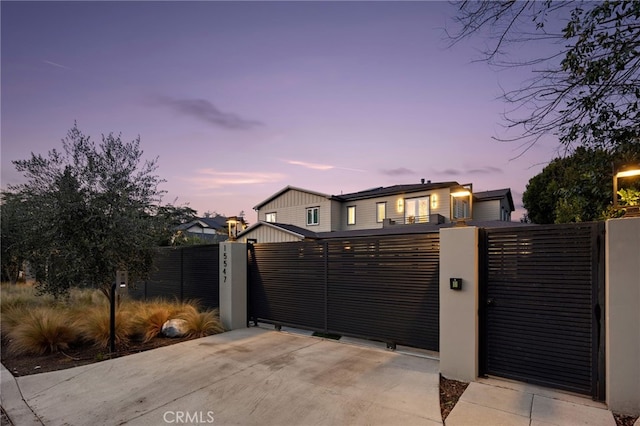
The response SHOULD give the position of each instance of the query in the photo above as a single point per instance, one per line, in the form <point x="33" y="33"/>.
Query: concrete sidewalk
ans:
<point x="249" y="377"/>
<point x="501" y="402"/>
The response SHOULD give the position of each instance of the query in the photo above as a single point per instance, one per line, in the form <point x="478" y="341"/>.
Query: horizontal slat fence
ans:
<point x="183" y="273"/>
<point x="383" y="288"/>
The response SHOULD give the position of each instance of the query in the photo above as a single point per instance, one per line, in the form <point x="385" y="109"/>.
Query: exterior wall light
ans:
<point x="455" y="283"/>
<point x="400" y="205"/>
<point x="625" y="172"/>
<point x="434" y="201"/>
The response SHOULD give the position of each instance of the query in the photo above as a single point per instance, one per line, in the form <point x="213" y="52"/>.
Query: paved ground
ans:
<point x="500" y="402"/>
<point x="257" y="376"/>
<point x="244" y="377"/>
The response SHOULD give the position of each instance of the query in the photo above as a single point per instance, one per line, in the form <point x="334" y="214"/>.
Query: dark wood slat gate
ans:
<point x="383" y="288"/>
<point x="541" y="306"/>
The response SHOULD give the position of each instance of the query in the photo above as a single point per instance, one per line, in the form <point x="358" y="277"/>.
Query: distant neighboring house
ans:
<point x="294" y="214"/>
<point x="210" y="229"/>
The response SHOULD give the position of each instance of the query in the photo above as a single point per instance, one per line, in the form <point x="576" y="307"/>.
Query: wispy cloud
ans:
<point x="450" y="172"/>
<point x="212" y="179"/>
<point x="485" y="170"/>
<point x="400" y="171"/>
<point x="204" y="110"/>
<point x="55" y="64"/>
<point x="313" y="166"/>
<point x="316" y="166"/>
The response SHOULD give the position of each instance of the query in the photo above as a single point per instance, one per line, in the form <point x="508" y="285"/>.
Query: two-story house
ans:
<point x="294" y="214"/>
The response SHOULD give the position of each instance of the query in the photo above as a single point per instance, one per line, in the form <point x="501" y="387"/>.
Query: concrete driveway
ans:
<point x="243" y="377"/>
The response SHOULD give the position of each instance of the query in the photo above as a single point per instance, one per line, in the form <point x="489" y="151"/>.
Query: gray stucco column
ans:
<point x="459" y="308"/>
<point x="233" y="285"/>
<point x="623" y="315"/>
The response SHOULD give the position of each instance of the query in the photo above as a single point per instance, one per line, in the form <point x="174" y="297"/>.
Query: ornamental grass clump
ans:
<point x="94" y="326"/>
<point x="41" y="331"/>
<point x="86" y="297"/>
<point x="201" y="324"/>
<point x="10" y="318"/>
<point x="151" y="316"/>
<point x="21" y="295"/>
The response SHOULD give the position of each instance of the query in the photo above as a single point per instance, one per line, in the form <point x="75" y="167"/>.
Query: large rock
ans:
<point x="174" y="328"/>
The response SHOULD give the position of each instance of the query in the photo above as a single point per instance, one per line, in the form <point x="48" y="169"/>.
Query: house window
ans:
<point x="313" y="215"/>
<point x="381" y="212"/>
<point x="270" y="217"/>
<point x="416" y="210"/>
<point x="351" y="215"/>
<point x="461" y="208"/>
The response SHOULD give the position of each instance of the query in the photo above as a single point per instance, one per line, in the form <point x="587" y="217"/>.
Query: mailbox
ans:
<point x="455" y="283"/>
<point x="122" y="279"/>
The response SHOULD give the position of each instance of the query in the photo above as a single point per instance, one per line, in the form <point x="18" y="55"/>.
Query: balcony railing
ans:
<point x="434" y="219"/>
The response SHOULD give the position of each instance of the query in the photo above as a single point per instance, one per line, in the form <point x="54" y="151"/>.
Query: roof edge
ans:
<point x="288" y="188"/>
<point x="271" y="225"/>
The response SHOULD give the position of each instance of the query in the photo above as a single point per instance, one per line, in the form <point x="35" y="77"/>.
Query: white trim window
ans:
<point x="313" y="216"/>
<point x="270" y="217"/>
<point x="381" y="211"/>
<point x="351" y="215"/>
<point x="416" y="210"/>
<point x="461" y="208"/>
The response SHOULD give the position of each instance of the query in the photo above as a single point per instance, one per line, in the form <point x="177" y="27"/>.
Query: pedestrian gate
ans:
<point x="541" y="306"/>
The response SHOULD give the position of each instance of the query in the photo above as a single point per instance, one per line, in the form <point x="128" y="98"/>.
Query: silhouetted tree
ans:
<point x="586" y="91"/>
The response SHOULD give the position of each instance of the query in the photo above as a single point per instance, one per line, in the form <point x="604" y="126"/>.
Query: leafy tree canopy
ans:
<point x="579" y="187"/>
<point x="586" y="91"/>
<point x="86" y="211"/>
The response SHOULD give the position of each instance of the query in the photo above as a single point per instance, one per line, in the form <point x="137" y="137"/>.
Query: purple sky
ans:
<point x="240" y="99"/>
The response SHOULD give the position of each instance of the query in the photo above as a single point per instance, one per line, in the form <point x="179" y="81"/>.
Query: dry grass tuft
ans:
<point x="40" y="331"/>
<point x="86" y="297"/>
<point x="21" y="295"/>
<point x="10" y="318"/>
<point x="201" y="324"/>
<point x="150" y="316"/>
<point x="40" y="324"/>
<point x="94" y="326"/>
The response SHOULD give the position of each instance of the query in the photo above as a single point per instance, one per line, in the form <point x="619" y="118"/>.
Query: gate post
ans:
<point x="233" y="285"/>
<point x="459" y="307"/>
<point x="622" y="312"/>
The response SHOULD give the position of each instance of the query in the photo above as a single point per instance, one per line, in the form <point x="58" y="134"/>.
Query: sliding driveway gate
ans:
<point x="541" y="306"/>
<point x="383" y="288"/>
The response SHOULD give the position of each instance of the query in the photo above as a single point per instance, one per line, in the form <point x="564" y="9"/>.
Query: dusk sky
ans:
<point x="240" y="99"/>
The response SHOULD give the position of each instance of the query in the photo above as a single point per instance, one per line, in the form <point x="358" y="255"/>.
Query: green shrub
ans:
<point x="41" y="331"/>
<point x="200" y="324"/>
